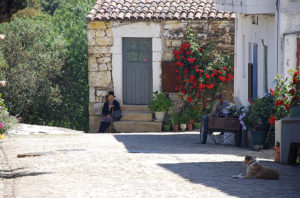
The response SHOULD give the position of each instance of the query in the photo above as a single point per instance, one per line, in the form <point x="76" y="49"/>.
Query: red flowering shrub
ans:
<point x="287" y="94"/>
<point x="199" y="75"/>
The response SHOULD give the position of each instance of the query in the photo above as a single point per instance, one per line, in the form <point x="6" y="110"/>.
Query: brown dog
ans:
<point x="257" y="171"/>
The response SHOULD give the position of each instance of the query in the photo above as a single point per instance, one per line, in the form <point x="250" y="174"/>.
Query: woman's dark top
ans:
<point x="106" y="110"/>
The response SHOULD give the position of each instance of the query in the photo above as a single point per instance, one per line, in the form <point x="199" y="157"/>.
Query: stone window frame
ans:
<point x="135" y="30"/>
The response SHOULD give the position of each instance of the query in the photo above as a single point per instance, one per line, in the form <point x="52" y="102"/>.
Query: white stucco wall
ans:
<point x="246" y="32"/>
<point x="136" y="30"/>
<point x="289" y="30"/>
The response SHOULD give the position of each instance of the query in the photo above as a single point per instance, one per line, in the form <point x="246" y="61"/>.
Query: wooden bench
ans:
<point x="229" y="124"/>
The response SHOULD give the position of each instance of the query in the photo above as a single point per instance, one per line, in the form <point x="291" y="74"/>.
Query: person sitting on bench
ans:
<point x="218" y="108"/>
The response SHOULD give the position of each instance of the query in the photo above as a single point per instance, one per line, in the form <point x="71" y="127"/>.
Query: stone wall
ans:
<point x="100" y="40"/>
<point x="220" y="34"/>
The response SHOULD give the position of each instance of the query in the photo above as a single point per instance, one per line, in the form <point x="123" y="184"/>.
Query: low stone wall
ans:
<point x="219" y="34"/>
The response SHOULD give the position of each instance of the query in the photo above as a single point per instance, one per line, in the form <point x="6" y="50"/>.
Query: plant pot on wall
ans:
<point x="197" y="125"/>
<point x="190" y="126"/>
<point x="183" y="127"/>
<point x="175" y="127"/>
<point x="159" y="116"/>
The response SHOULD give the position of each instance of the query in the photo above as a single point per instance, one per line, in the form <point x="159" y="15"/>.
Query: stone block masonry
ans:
<point x="168" y="35"/>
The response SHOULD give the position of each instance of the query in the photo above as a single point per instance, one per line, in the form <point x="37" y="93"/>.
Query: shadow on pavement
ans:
<point x="219" y="175"/>
<point x="185" y="143"/>
<point x="7" y="175"/>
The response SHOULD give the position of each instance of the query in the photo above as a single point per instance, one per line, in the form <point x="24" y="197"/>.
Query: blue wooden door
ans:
<point x="137" y="71"/>
<point x="254" y="76"/>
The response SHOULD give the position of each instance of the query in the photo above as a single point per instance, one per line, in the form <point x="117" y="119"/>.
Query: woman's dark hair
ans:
<point x="111" y="93"/>
<point x="218" y="96"/>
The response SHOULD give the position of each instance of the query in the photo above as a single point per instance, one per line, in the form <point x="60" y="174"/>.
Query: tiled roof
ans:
<point x="157" y="9"/>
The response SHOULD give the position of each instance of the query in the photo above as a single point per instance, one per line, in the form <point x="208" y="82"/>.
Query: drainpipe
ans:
<point x="277" y="34"/>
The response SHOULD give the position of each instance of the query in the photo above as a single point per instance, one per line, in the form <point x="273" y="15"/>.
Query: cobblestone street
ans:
<point x="64" y="163"/>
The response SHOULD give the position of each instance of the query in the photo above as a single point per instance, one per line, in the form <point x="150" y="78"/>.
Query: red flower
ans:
<point x="201" y="86"/>
<point x="201" y="71"/>
<point x="188" y="52"/>
<point x="177" y="71"/>
<point x="287" y="107"/>
<point x="207" y="76"/>
<point x="192" y="77"/>
<point x="222" y="78"/>
<point x="296" y="73"/>
<point x="197" y="66"/>
<point x="216" y="71"/>
<point x="292" y="91"/>
<point x="183" y="57"/>
<point x="202" y="60"/>
<point x="220" y="72"/>
<point x="272" y="120"/>
<point x="179" y="63"/>
<point x="233" y="67"/>
<point x="190" y="99"/>
<point x="279" y="102"/>
<point x="191" y="60"/>
<point x="224" y="67"/>
<point x="295" y="80"/>
<point x="227" y="70"/>
<point x="186" y="70"/>
<point x="212" y="75"/>
<point x="272" y="91"/>
<point x="210" y="86"/>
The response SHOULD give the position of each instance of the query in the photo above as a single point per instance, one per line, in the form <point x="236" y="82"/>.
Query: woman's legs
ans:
<point x="103" y="127"/>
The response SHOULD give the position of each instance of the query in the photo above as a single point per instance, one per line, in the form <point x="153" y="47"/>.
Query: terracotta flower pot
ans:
<point x="175" y="127"/>
<point x="190" y="126"/>
<point x="191" y="121"/>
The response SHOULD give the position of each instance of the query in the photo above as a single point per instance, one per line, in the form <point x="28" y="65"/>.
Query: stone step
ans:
<point x="136" y="126"/>
<point x="136" y="115"/>
<point x="135" y="108"/>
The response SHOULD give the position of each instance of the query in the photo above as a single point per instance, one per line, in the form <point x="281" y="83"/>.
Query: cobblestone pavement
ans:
<point x="74" y="164"/>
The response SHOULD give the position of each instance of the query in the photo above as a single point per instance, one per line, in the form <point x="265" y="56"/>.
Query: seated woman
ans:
<point x="110" y="112"/>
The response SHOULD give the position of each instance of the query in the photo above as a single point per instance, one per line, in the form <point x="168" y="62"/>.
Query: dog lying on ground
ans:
<point x="257" y="171"/>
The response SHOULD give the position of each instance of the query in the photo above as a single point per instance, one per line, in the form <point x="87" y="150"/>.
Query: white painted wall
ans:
<point x="136" y="30"/>
<point x="253" y="33"/>
<point x="289" y="23"/>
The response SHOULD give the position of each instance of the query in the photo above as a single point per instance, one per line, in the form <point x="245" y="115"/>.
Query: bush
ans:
<point x="160" y="102"/>
<point x="6" y="121"/>
<point x="34" y="58"/>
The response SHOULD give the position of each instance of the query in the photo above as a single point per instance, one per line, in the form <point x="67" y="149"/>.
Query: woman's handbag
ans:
<point x="117" y="114"/>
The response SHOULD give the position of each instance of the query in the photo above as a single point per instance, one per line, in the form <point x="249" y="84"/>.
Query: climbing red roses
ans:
<point x="198" y="73"/>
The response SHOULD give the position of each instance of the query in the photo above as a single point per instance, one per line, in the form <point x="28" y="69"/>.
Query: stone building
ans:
<point x="129" y="41"/>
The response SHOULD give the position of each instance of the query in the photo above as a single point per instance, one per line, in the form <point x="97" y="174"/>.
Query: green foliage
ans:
<point x="6" y="121"/>
<point x="34" y="61"/>
<point x="69" y="22"/>
<point x="46" y="63"/>
<point x="160" y="102"/>
<point x="49" y="6"/>
<point x="174" y="118"/>
<point x="259" y="113"/>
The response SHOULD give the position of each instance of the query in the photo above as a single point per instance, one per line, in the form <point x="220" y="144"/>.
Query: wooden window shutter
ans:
<point x="169" y="81"/>
<point x="250" y="80"/>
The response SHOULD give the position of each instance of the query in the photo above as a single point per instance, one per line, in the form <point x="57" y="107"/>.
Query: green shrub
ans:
<point x="160" y="102"/>
<point x="6" y="121"/>
<point x="34" y="58"/>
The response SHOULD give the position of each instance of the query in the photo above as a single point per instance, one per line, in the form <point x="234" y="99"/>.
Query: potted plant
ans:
<point x="256" y="119"/>
<point x="197" y="116"/>
<point x="183" y="119"/>
<point x="167" y="125"/>
<point x="159" y="105"/>
<point x="174" y="118"/>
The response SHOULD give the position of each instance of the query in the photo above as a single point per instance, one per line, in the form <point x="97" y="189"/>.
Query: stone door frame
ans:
<point x="135" y="30"/>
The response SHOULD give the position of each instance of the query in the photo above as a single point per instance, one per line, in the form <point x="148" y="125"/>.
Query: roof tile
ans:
<point x="157" y="9"/>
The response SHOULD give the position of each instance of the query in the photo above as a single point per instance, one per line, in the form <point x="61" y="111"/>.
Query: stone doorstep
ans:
<point x="135" y="108"/>
<point x="136" y="115"/>
<point x="136" y="126"/>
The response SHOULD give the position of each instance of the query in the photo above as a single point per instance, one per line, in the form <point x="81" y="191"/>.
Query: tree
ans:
<point x="9" y="7"/>
<point x="34" y="57"/>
